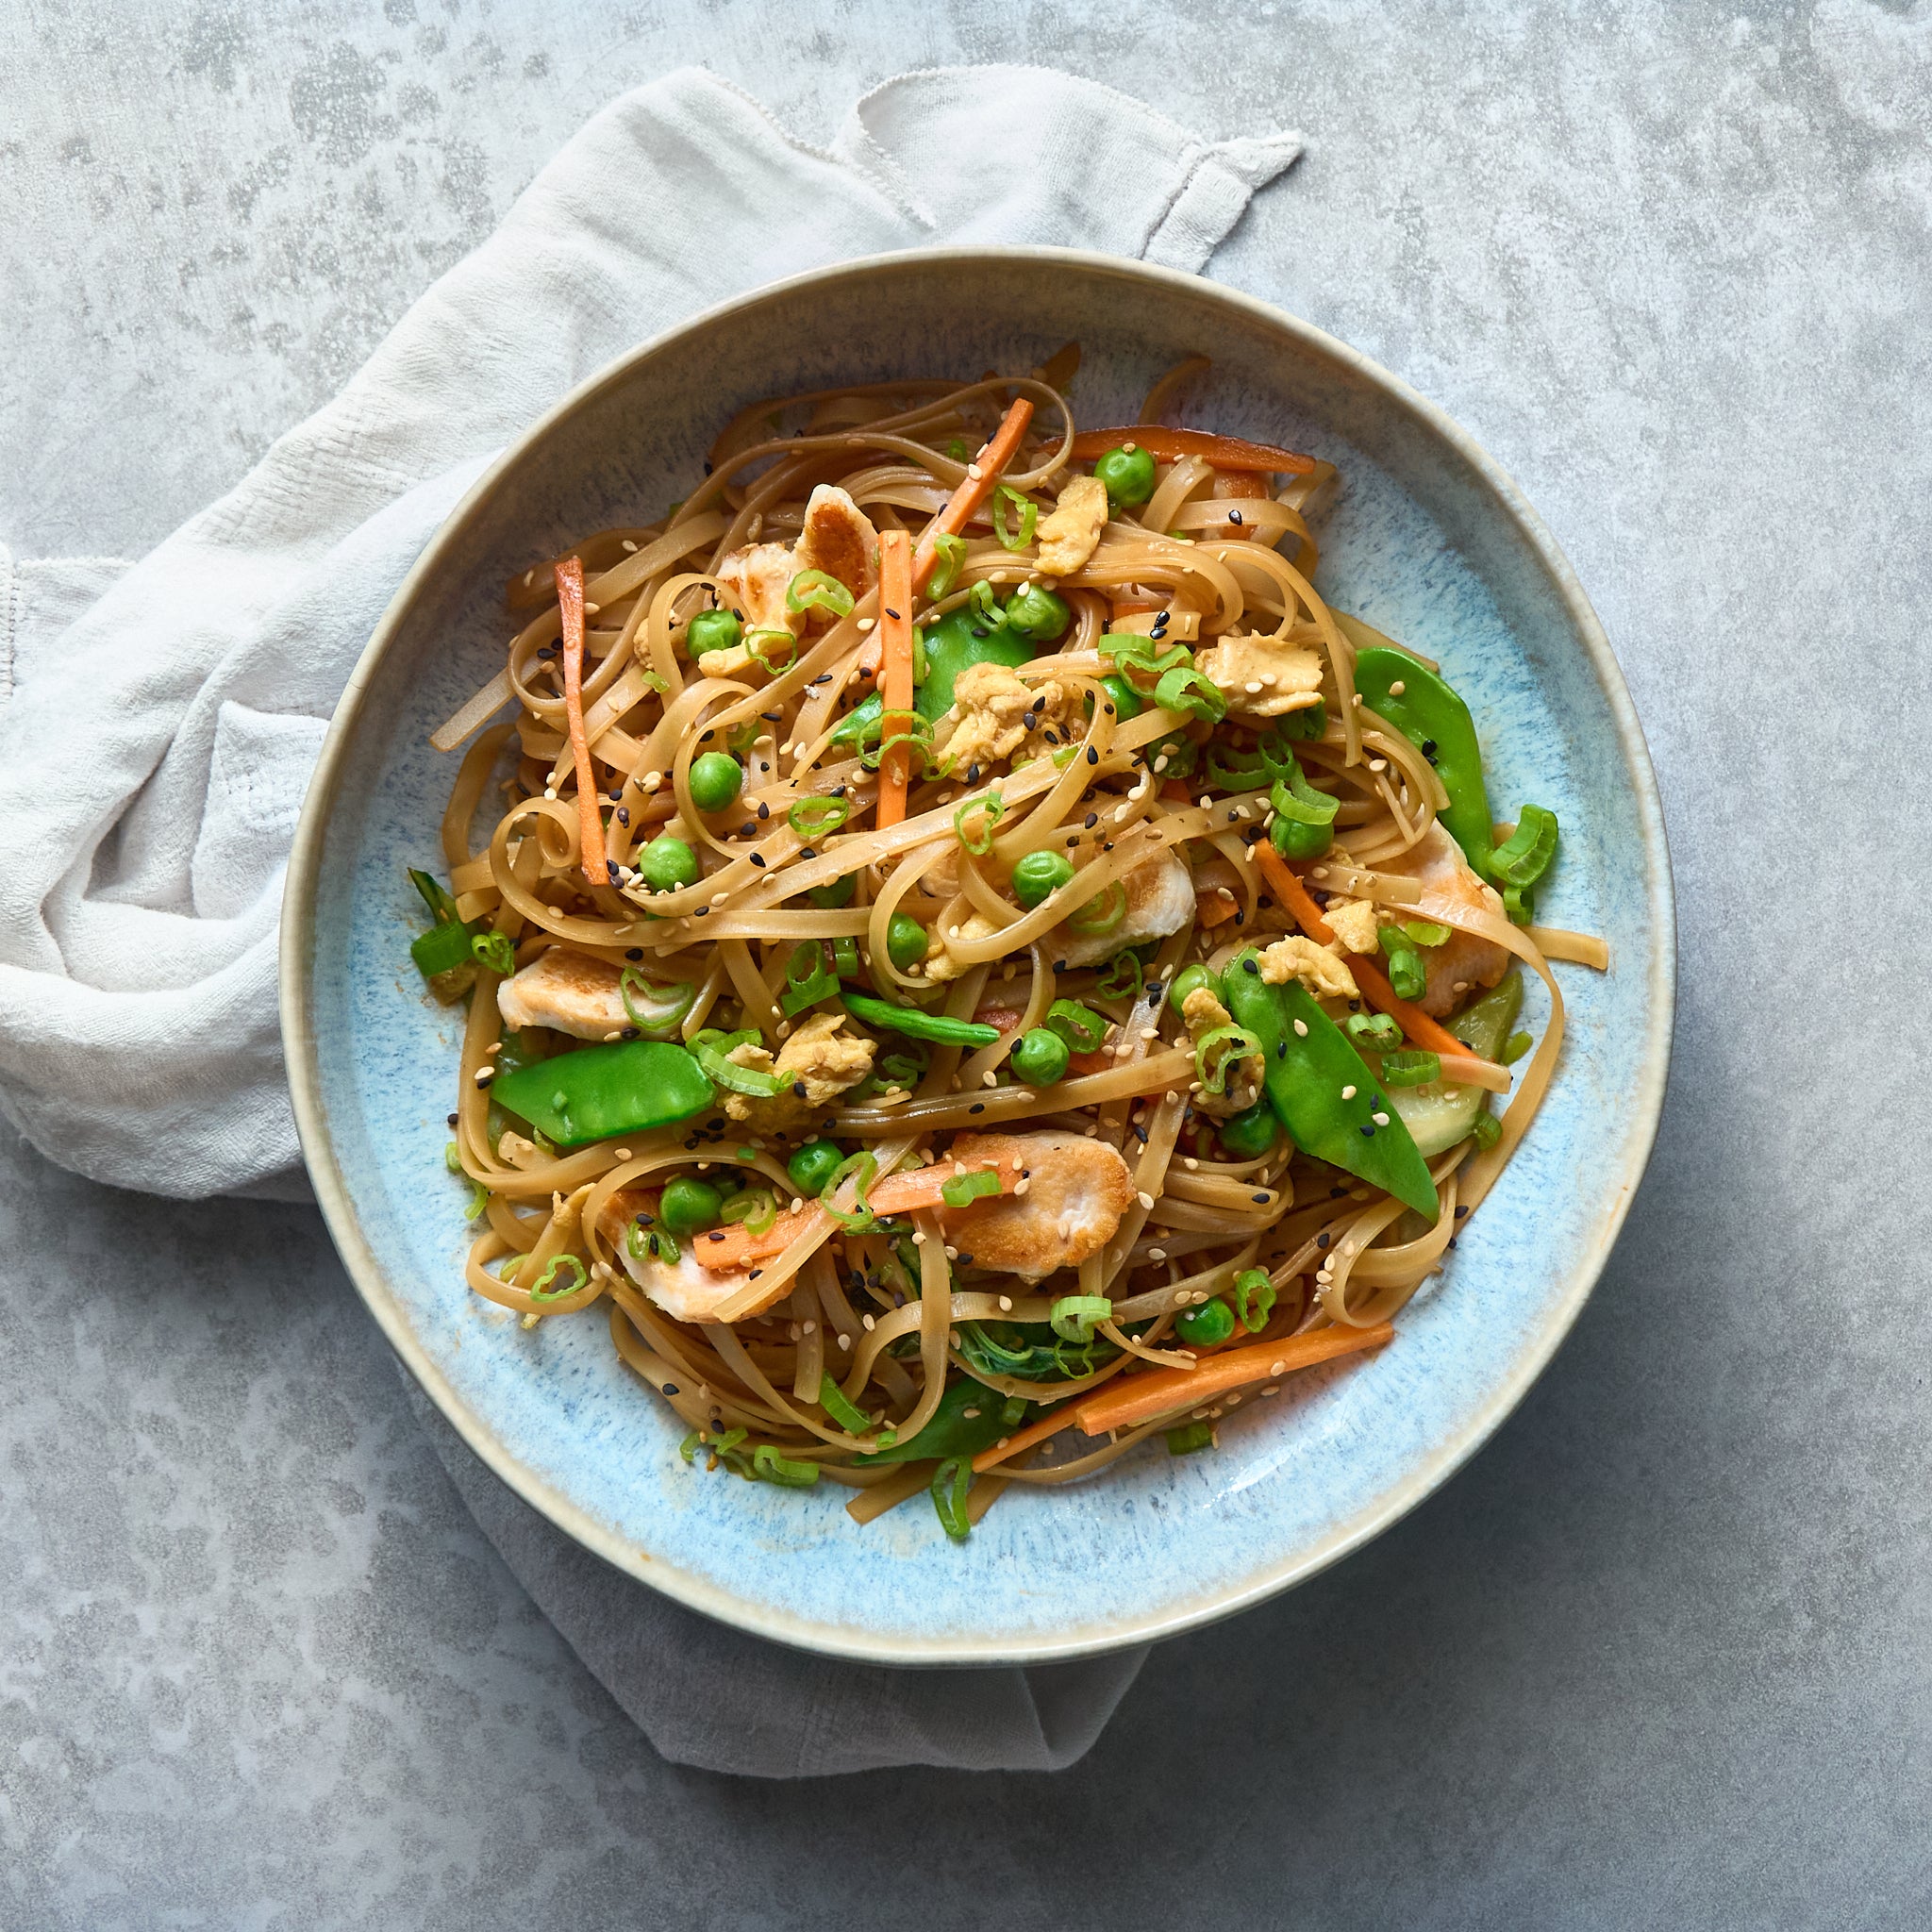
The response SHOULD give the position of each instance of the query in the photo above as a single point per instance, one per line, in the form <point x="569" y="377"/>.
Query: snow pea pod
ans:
<point x="1310" y="1064"/>
<point x="952" y="1431"/>
<point x="597" y="1092"/>
<point x="1434" y="718"/>
<point x="940" y="1027"/>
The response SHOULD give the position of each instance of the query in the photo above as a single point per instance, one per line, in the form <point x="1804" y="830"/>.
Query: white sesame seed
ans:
<point x="1396" y="689"/>
<point x="550" y="791"/>
<point x="1378" y="764"/>
<point x="629" y="548"/>
<point x="1273" y="1389"/>
<point x="845" y="1341"/>
<point x="1348" y="1093"/>
<point x="973" y="471"/>
<point x="621" y="1153"/>
<point x="485" y="1074"/>
<point x="591" y="609"/>
<point x="868" y="623"/>
<point x="1146" y="1199"/>
<point x="1381" y="1120"/>
<point x="1156" y="1254"/>
<point x="1275" y="1368"/>
<point x="918" y="1237"/>
<point x="870" y="1322"/>
<point x="1301" y="1027"/>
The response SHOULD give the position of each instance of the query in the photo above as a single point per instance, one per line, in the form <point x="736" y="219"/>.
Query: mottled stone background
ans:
<point x="1660" y="1656"/>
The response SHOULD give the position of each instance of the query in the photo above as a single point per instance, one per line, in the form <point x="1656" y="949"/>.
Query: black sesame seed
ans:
<point x="1322" y="1239"/>
<point x="1092" y="820"/>
<point x="1368" y="1130"/>
<point x="799" y="1088"/>
<point x="632" y="1032"/>
<point x="1281" y="1049"/>
<point x="978" y="1106"/>
<point x="671" y="1387"/>
<point x="1234" y="516"/>
<point x="758" y="859"/>
<point x="452" y="1120"/>
<point x="806" y="852"/>
<point x="1260" y="1200"/>
<point x="1460" y="1213"/>
<point x="1092" y="756"/>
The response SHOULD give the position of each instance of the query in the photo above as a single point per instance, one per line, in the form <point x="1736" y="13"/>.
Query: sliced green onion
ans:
<point x="1102" y="913"/>
<point x="1524" y="857"/>
<point x="664" y="1006"/>
<point x="1375" y="1030"/>
<point x="1519" y="902"/>
<point x="952" y="1481"/>
<point x="1237" y="1044"/>
<point x="1075" y="1317"/>
<point x="1029" y="516"/>
<point x="479" y="1199"/>
<point x="1415" y="1068"/>
<point x="435" y="896"/>
<point x="845" y="957"/>
<point x="818" y="590"/>
<point x="812" y="817"/>
<point x="495" y="950"/>
<point x="1135" y="650"/>
<point x="540" y="1290"/>
<point x="992" y="810"/>
<point x="756" y="642"/>
<point x="755" y="1207"/>
<point x="688" y="1447"/>
<point x="1184" y="689"/>
<point x="1488" y="1130"/>
<point x="772" y="1467"/>
<point x="750" y="1081"/>
<point x="1120" y="978"/>
<point x="1081" y="1027"/>
<point x="807" y="979"/>
<point x="905" y="1070"/>
<point x="986" y="607"/>
<point x="912" y="731"/>
<point x="1407" y="972"/>
<point x="1189" y="1437"/>
<point x="965" y="1187"/>
<point x="452" y="1156"/>
<point x="1254" y="1298"/>
<point x="1515" y="1047"/>
<point x="951" y="552"/>
<point x="1425" y="932"/>
<point x="1296" y="799"/>
<point x="863" y="1169"/>
<point x="842" y="1408"/>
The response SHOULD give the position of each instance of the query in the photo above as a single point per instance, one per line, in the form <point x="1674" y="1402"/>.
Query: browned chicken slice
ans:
<point x="571" y="991"/>
<point x="1077" y="1190"/>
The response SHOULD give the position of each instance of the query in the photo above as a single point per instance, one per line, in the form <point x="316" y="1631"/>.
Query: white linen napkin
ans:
<point x="158" y="720"/>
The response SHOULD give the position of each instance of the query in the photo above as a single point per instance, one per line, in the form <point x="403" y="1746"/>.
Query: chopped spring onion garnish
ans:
<point x="817" y="590"/>
<point x="1075" y="1317"/>
<point x="965" y="1187"/>
<point x="1028" y="512"/>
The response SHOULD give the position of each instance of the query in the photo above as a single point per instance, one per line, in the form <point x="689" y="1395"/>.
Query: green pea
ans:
<point x="689" y="1206"/>
<point x="1039" y="874"/>
<point x="814" y="1165"/>
<point x="1204" y="1326"/>
<point x="1127" y="473"/>
<point x="905" y="941"/>
<point x="1127" y="702"/>
<point x="1040" y="1058"/>
<point x="1034" y="612"/>
<point x="716" y="779"/>
<point x="1251" y="1133"/>
<point x="667" y="863"/>
<point x="713" y="630"/>
<point x="1191" y="979"/>
<point x="834" y="896"/>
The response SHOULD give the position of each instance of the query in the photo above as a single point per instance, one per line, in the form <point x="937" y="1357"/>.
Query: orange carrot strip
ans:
<point x="1130" y="1400"/>
<point x="570" y="602"/>
<point x="895" y="671"/>
<point x="991" y="463"/>
<point x="1017" y="1445"/>
<point x="1170" y="446"/>
<point x="1294" y="897"/>
<point x="898" y="1194"/>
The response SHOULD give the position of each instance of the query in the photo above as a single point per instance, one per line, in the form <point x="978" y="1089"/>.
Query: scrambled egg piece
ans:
<point x="571" y="991"/>
<point x="1262" y="677"/>
<point x="1317" y="968"/>
<point x="1202" y="1013"/>
<point x="818" y="1064"/>
<point x="838" y="538"/>
<point x="1077" y="1190"/>
<point x="996" y="713"/>
<point x="940" y="963"/>
<point x="1069" y="534"/>
<point x="1352" y="922"/>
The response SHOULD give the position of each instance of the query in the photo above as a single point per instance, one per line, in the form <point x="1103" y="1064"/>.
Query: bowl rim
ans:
<point x="297" y="989"/>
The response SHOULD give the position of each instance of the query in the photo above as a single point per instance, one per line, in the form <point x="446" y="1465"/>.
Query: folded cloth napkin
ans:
<point x="159" y="722"/>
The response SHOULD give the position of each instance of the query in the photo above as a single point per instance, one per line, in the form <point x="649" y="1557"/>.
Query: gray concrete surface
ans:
<point x="1660" y="1656"/>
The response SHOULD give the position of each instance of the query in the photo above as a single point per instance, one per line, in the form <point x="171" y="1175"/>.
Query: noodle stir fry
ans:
<point x="979" y="965"/>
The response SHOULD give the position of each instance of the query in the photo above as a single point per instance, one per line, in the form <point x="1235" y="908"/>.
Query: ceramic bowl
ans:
<point x="1431" y="543"/>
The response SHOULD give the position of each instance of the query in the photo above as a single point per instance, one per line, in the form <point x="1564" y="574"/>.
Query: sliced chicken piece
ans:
<point x="1161" y="900"/>
<point x="752" y="582"/>
<point x="684" y="1289"/>
<point x="1077" y="1190"/>
<point x="1070" y="532"/>
<point x="1451" y="888"/>
<point x="839" y="538"/>
<point x="1260" y="676"/>
<point x="817" y="1064"/>
<point x="571" y="991"/>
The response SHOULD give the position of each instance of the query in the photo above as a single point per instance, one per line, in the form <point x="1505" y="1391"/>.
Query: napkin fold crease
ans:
<point x="159" y="722"/>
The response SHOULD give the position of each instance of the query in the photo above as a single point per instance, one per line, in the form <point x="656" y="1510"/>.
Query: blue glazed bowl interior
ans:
<point x="1427" y="543"/>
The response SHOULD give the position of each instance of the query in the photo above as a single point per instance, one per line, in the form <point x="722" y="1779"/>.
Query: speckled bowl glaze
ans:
<point x="1430" y="542"/>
